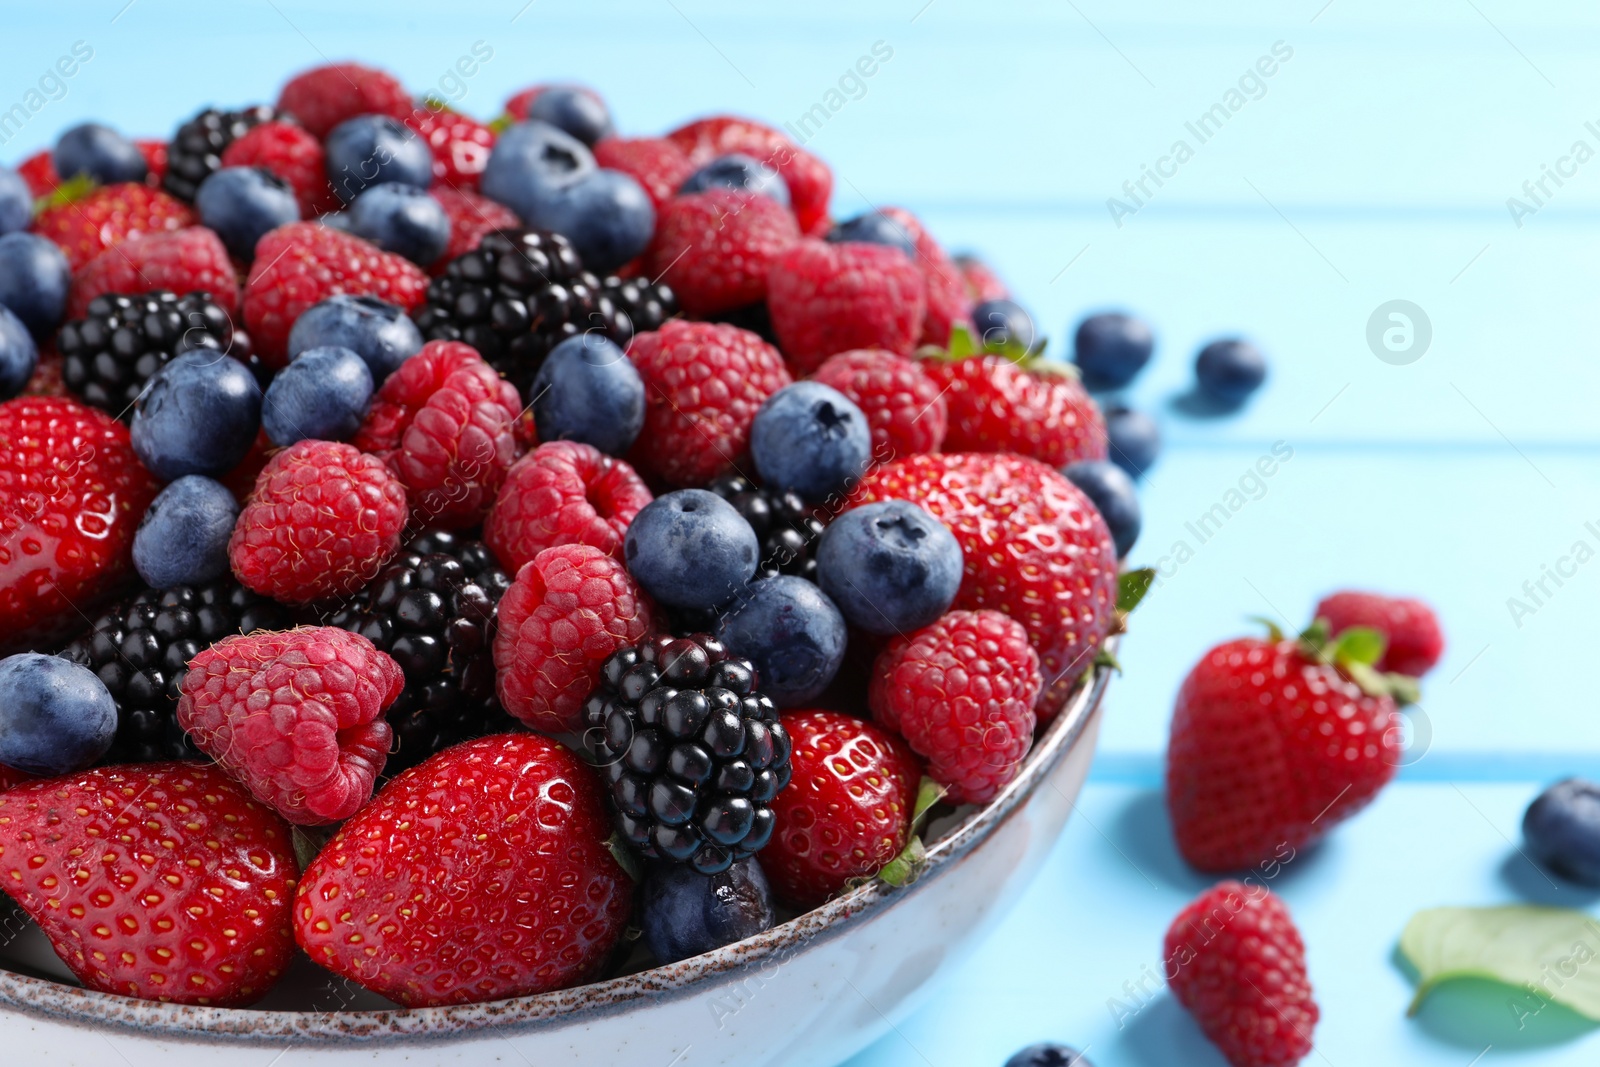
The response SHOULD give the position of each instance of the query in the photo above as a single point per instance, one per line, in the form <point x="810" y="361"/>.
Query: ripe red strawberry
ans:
<point x="191" y="260"/>
<point x="303" y="263"/>
<point x="566" y="612"/>
<point x="1235" y="960"/>
<point x="948" y="301"/>
<point x="1414" y="639"/>
<point x="808" y="178"/>
<point x="961" y="692"/>
<point x="656" y="163"/>
<point x="444" y="423"/>
<point x="472" y="217"/>
<point x="703" y="383"/>
<point x="295" y="716"/>
<point x="155" y="159"/>
<point x="106" y="216"/>
<point x="460" y="145"/>
<point x="1033" y="409"/>
<point x="829" y="298"/>
<point x="163" y="881"/>
<point x="981" y="281"/>
<point x="903" y="405"/>
<point x="716" y="248"/>
<point x="563" y="493"/>
<point x="293" y="155"/>
<point x="39" y="171"/>
<point x="71" y="495"/>
<point x="325" y="96"/>
<point x="482" y="873"/>
<point x="1033" y="547"/>
<point x="321" y="520"/>
<point x="1273" y="744"/>
<point x="846" y="811"/>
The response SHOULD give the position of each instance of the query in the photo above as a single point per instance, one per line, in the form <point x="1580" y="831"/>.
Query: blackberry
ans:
<point x="195" y="151"/>
<point x="752" y="317"/>
<point x="692" y="752"/>
<point x="433" y="609"/>
<point x="109" y="355"/>
<point x="785" y="526"/>
<point x="514" y="298"/>
<point x="141" y="648"/>
<point x="644" y="307"/>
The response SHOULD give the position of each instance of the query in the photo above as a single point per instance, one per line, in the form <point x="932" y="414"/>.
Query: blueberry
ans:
<point x="1048" y="1054"/>
<point x="183" y="538"/>
<point x="402" y="219"/>
<point x="691" y="549"/>
<point x="322" y="395"/>
<point x="810" y="438"/>
<point x="56" y="717"/>
<point x="793" y="634"/>
<point x="890" y="567"/>
<point x="369" y="150"/>
<point x="573" y="109"/>
<point x="199" y="415"/>
<point x="242" y="204"/>
<point x="100" y="153"/>
<point x="607" y="216"/>
<point x="1003" y="322"/>
<point x="1229" y="370"/>
<point x="587" y="390"/>
<point x="18" y="354"/>
<point x="534" y="159"/>
<point x="1111" y="491"/>
<point x="16" y="202"/>
<point x="33" y="280"/>
<point x="1562" y="828"/>
<point x="1135" y="439"/>
<point x="738" y="171"/>
<point x="874" y="228"/>
<point x="684" y="913"/>
<point x="378" y="332"/>
<point x="1111" y="348"/>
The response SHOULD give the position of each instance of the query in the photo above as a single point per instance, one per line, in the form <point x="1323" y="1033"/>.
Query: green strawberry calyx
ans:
<point x="908" y="866"/>
<point x="963" y="344"/>
<point x="1355" y="652"/>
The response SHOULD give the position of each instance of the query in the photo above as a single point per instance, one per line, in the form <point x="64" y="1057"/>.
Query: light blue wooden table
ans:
<point x="1375" y="163"/>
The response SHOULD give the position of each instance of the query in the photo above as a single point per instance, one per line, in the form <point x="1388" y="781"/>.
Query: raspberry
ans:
<point x="72" y="493"/>
<point x="1415" y="641"/>
<point x="155" y="160"/>
<point x="961" y="692"/>
<point x="981" y="282"/>
<point x="948" y="300"/>
<point x="460" y="146"/>
<point x="293" y="155"/>
<point x="563" y="493"/>
<point x="703" y="384"/>
<point x="108" y="215"/>
<point x="1033" y="546"/>
<point x="903" y="405"/>
<point x="39" y="171"/>
<point x="656" y="163"/>
<point x="715" y="248"/>
<point x="829" y="298"/>
<point x="472" y="217"/>
<point x="110" y="355"/>
<point x="847" y="810"/>
<point x="808" y="178"/>
<point x="198" y="145"/>
<point x="304" y="263"/>
<point x="296" y="716"/>
<point x="325" y="96"/>
<point x="321" y="521"/>
<point x="444" y="423"/>
<point x="1235" y="960"/>
<point x="191" y="260"/>
<point x="1036" y="409"/>
<point x="567" y="611"/>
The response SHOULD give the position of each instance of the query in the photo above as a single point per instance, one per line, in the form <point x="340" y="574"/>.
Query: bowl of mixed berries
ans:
<point x="470" y="583"/>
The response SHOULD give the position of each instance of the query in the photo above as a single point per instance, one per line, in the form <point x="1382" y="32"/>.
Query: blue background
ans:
<point x="1374" y="165"/>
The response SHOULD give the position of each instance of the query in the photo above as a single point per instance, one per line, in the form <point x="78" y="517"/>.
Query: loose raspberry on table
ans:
<point x="191" y="260"/>
<point x="563" y="492"/>
<point x="903" y="405"/>
<point x="292" y="154"/>
<point x="829" y="298"/>
<point x="716" y="248"/>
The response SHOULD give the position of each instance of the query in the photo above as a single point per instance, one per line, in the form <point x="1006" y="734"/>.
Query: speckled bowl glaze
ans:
<point x="812" y="991"/>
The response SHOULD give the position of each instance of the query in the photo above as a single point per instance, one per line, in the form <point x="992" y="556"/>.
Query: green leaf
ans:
<point x="904" y="868"/>
<point x="625" y="857"/>
<point x="1315" y="639"/>
<point x="1132" y="587"/>
<point x="1549" y="954"/>
<point x="73" y="189"/>
<point x="929" y="793"/>
<point x="962" y="343"/>
<point x="1104" y="658"/>
<point x="308" y="841"/>
<point x="1359" y="644"/>
<point x="1274" y="631"/>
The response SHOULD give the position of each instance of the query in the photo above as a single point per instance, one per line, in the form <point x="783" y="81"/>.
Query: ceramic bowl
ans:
<point x="812" y="991"/>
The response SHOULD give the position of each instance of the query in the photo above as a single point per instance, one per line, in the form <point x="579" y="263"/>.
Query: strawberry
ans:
<point x="293" y="155"/>
<point x="472" y="217"/>
<point x="323" y="97"/>
<point x="828" y="298"/>
<point x="460" y="145"/>
<point x="39" y="171"/>
<point x="155" y="158"/>
<point x="1235" y="960"/>
<point x="480" y="874"/>
<point x="191" y="260"/>
<point x="104" y="216"/>
<point x="808" y="178"/>
<point x="163" y="881"/>
<point x="1275" y="741"/>
<point x="1415" y="641"/>
<point x="656" y="163"/>
<point x="72" y="492"/>
<point x="715" y="248"/>
<point x="948" y="301"/>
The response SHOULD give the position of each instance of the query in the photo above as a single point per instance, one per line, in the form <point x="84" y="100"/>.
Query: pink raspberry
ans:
<point x="445" y="424"/>
<point x="904" y="406"/>
<point x="829" y="298"/>
<point x="656" y="163"/>
<point x="563" y="493"/>
<point x="295" y="716"/>
<point x="190" y="260"/>
<point x="715" y="248"/>
<point x="321" y="520"/>
<point x="565" y="614"/>
<point x="948" y="299"/>
<point x="961" y="692"/>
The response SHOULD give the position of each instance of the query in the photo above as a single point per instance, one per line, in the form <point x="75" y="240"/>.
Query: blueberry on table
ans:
<point x="1229" y="370"/>
<point x="874" y="228"/>
<point x="322" y="395"/>
<point x="183" y="537"/>
<point x="1001" y="323"/>
<point x="199" y="416"/>
<point x="1134" y="439"/>
<point x="402" y="219"/>
<point x="16" y="202"/>
<point x="242" y="204"/>
<point x="369" y="150"/>
<point x="379" y="332"/>
<point x="33" y="280"/>
<point x="691" y="549"/>
<point x="890" y="567"/>
<point x="1048" y="1054"/>
<point x="738" y="171"/>
<point x="18" y="354"/>
<point x="793" y="634"/>
<point x="587" y="390"/>
<point x="811" y="439"/>
<point x="685" y="913"/>
<point x="572" y="108"/>
<point x="1562" y="829"/>
<point x="100" y="153"/>
<point x="55" y="716"/>
<point x="1111" y="491"/>
<point x="1111" y="348"/>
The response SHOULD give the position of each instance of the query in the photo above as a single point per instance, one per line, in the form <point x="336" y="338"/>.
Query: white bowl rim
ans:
<point x="42" y="997"/>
